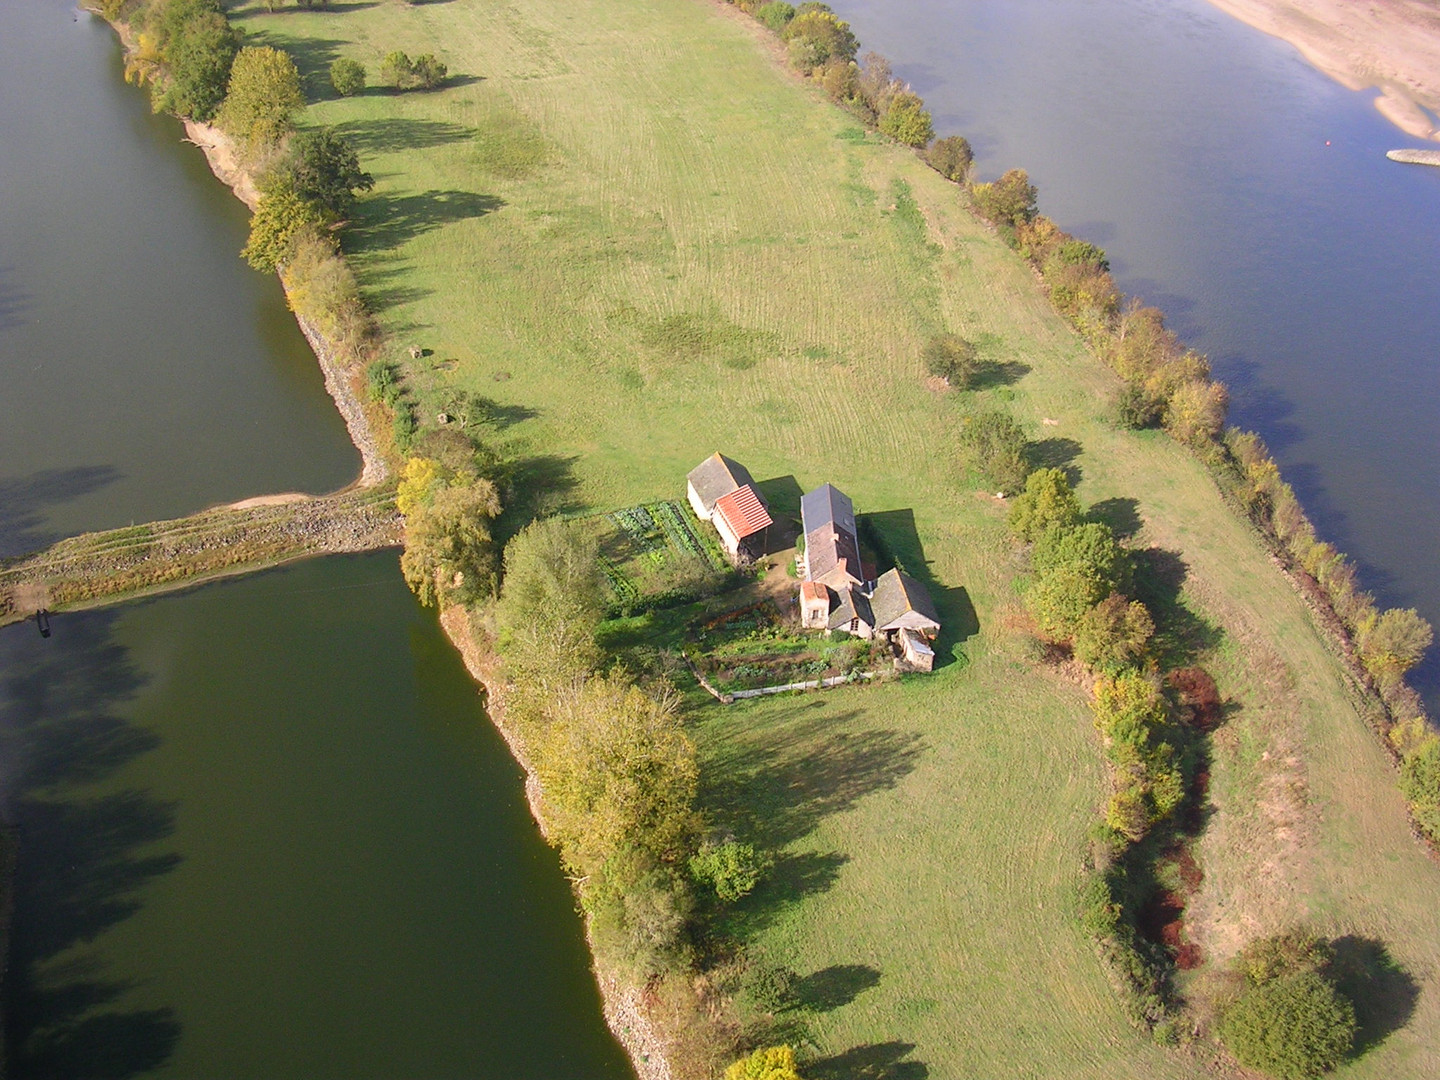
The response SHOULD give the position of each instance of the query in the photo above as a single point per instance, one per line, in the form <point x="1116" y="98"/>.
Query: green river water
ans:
<point x="266" y="829"/>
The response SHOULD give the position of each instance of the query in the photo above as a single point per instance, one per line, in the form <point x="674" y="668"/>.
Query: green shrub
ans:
<point x="767" y="1063"/>
<point x="1420" y="782"/>
<point x="951" y="157"/>
<point x="952" y="358"/>
<point x="347" y="76"/>
<point x="1289" y="953"/>
<point x="775" y="15"/>
<point x="1294" y="1027"/>
<point x="1047" y="502"/>
<point x="907" y="120"/>
<point x="731" y="869"/>
<point x="996" y="445"/>
<point x="1007" y="201"/>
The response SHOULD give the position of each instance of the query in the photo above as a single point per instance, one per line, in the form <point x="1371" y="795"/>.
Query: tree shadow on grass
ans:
<point x="390" y="287"/>
<point x="830" y="988"/>
<point x="1181" y="635"/>
<point x="84" y="858"/>
<point x="384" y="222"/>
<point x="23" y="500"/>
<point x="1056" y="453"/>
<point x="392" y="134"/>
<point x="992" y="373"/>
<point x="534" y="487"/>
<point x="780" y="789"/>
<point x="876" y="1061"/>
<point x="1121" y="514"/>
<point x="1384" y="993"/>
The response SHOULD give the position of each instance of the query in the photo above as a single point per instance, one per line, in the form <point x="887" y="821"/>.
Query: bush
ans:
<point x="1090" y="548"/>
<point x="1114" y="634"/>
<point x="1392" y="643"/>
<point x="280" y="218"/>
<point x="996" y="446"/>
<point x="951" y="157"/>
<point x="1283" y="954"/>
<point x="263" y="97"/>
<point x="1294" y="1027"/>
<point x="1007" y="201"/>
<point x="1047" y="502"/>
<point x="767" y="1063"/>
<point x="731" y="869"/>
<point x="952" y="358"/>
<point x="347" y="76"/>
<point x="815" y="36"/>
<point x="1420" y="783"/>
<point x="428" y="72"/>
<point x="775" y="15"/>
<point x="906" y="120"/>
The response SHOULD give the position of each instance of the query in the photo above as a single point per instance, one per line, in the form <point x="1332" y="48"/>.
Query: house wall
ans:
<point x="695" y="502"/>
<point x="730" y="541"/>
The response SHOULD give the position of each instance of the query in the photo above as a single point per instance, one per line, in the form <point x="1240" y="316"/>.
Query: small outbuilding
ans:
<point x="901" y="603"/>
<point x="915" y="652"/>
<point x="742" y="522"/>
<point x="713" y="479"/>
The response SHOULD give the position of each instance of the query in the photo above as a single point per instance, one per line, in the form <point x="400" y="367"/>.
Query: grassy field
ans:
<point x="626" y="223"/>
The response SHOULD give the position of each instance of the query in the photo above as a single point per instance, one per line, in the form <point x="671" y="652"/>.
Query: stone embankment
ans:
<point x="105" y="567"/>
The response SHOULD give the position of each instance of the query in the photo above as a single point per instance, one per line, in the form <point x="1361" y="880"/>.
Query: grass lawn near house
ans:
<point x="626" y="222"/>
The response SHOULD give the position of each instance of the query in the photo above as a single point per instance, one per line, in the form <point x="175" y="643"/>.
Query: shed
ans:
<point x="711" y="480"/>
<point x="901" y="603"/>
<point x="741" y="520"/>
<point x="915" y="652"/>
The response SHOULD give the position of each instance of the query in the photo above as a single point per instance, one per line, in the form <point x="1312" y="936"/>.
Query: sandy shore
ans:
<point x="1393" y="45"/>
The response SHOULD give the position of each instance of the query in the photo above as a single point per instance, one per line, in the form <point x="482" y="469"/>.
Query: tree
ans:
<point x="996" y="445"/>
<point x="280" y="218"/>
<point x="1059" y="600"/>
<point x="197" y="47"/>
<point x="1114" y="634"/>
<point x="1295" y="1027"/>
<point x="347" y="76"/>
<point x="951" y="157"/>
<point x="397" y="70"/>
<point x="907" y="120"/>
<point x="767" y="1063"/>
<point x="1007" y="201"/>
<point x="325" y="171"/>
<point x="1089" y="547"/>
<point x="618" y="771"/>
<point x="775" y="15"/>
<point x="816" y="36"/>
<point x="1393" y="642"/>
<point x="264" y="96"/>
<point x="449" y="552"/>
<point x="952" y="358"/>
<point x="428" y="72"/>
<point x="1048" y="501"/>
<point x="550" y="606"/>
<point x="1195" y="412"/>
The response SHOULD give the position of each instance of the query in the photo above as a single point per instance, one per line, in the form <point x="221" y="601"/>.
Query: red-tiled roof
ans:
<point x="743" y="511"/>
<point x="814" y="590"/>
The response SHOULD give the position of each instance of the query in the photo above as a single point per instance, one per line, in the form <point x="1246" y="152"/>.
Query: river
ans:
<point x="266" y="827"/>
<point x="1247" y="196"/>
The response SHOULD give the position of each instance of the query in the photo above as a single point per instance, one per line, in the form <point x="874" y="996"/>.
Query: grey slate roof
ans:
<point x="828" y="517"/>
<point x="896" y="595"/>
<point x="716" y="477"/>
<point x="851" y="605"/>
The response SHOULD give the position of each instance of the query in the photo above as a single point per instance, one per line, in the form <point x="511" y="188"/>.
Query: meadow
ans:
<point x="632" y="228"/>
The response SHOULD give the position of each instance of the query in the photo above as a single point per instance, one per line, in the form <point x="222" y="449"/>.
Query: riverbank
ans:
<point x="1392" y="45"/>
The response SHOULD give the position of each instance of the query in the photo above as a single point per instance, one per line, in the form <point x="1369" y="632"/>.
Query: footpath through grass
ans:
<point x="627" y="224"/>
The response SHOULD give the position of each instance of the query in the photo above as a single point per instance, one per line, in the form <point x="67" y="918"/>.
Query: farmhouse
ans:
<point x="722" y="492"/>
<point x="834" y="594"/>
<point x="832" y="547"/>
